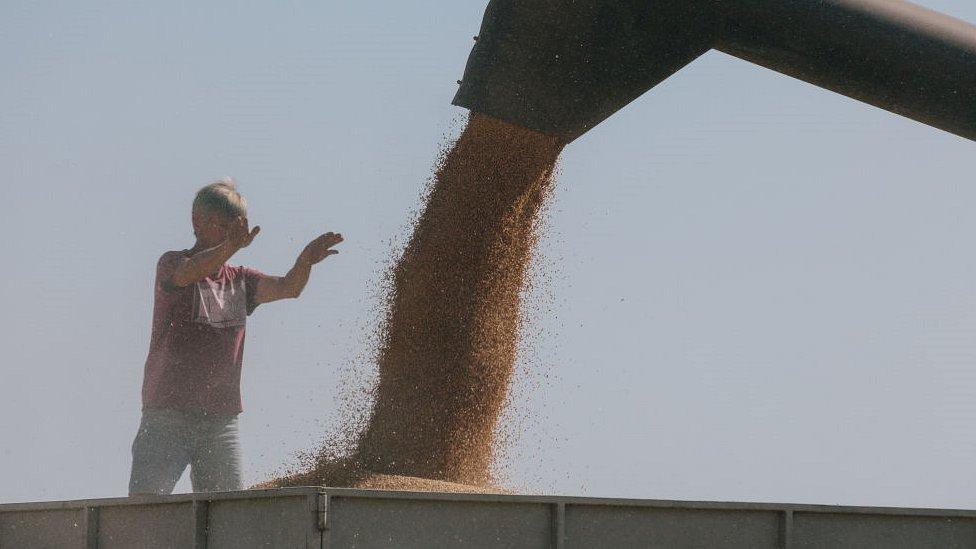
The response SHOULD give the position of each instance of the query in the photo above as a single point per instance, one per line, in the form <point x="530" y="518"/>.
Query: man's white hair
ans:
<point x="222" y="197"/>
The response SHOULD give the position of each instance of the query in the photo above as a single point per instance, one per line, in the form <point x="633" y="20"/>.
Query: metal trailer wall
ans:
<point x="334" y="517"/>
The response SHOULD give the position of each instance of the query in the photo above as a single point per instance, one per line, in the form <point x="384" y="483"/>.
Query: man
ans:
<point x="191" y="389"/>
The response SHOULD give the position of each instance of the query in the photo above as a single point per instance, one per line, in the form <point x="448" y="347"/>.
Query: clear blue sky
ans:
<point x="750" y="288"/>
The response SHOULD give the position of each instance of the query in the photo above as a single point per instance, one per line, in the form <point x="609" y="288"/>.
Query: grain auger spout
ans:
<point x="563" y="66"/>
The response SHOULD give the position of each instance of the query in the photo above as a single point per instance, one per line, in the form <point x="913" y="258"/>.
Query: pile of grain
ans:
<point x="452" y="324"/>
<point x="347" y="473"/>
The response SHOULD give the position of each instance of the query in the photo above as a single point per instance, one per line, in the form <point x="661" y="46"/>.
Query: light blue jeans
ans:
<point x="169" y="440"/>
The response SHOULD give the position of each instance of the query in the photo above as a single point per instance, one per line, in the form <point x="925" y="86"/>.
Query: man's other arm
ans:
<point x="273" y="288"/>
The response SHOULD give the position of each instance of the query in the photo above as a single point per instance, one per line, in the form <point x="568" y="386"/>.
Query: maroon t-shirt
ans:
<point x="197" y="344"/>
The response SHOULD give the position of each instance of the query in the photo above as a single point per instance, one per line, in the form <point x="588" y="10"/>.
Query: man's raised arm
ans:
<point x="203" y="263"/>
<point x="273" y="288"/>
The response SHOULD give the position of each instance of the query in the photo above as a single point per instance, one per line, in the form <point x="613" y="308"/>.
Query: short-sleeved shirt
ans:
<point x="197" y="345"/>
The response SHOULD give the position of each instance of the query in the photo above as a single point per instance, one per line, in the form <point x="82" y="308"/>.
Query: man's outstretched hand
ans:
<point x="273" y="288"/>
<point x="238" y="234"/>
<point x="320" y="248"/>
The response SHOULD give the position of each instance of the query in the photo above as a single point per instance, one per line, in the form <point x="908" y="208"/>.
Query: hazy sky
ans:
<point x="750" y="288"/>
